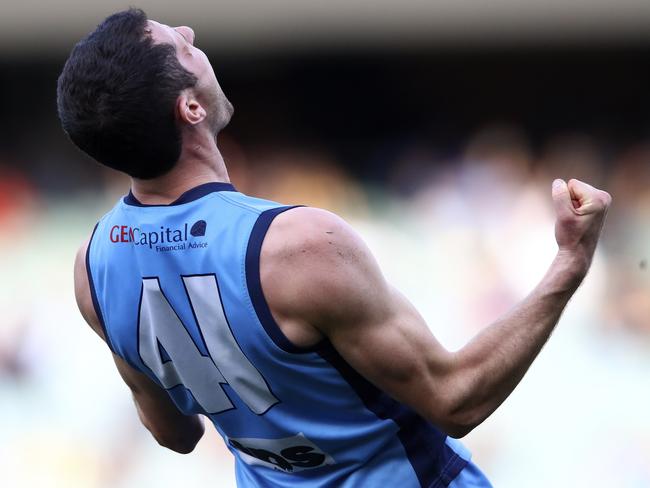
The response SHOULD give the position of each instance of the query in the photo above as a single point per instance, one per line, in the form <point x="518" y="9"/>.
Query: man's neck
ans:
<point x="197" y="165"/>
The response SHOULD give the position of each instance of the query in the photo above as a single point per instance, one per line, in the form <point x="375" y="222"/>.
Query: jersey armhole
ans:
<point x="93" y="294"/>
<point x="254" y="284"/>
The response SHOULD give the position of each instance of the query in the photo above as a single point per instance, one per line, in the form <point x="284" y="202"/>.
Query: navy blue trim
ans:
<point x="434" y="462"/>
<point x="93" y="295"/>
<point x="255" y="285"/>
<point x="189" y="196"/>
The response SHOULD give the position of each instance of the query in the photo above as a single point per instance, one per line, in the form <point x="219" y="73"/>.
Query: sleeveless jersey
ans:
<point x="177" y="290"/>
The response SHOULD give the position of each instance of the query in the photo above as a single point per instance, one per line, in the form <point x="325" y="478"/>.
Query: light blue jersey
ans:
<point x="177" y="289"/>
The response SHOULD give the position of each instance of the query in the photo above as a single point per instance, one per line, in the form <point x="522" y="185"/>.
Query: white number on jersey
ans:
<point x="202" y="375"/>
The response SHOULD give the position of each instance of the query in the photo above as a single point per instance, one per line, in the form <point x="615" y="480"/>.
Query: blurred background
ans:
<point x="436" y="129"/>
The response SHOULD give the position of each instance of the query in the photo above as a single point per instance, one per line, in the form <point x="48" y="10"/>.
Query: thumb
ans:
<point x="562" y="199"/>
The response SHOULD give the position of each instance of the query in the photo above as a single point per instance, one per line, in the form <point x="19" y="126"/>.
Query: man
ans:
<point x="274" y="321"/>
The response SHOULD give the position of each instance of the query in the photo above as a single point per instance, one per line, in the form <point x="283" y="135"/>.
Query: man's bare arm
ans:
<point x="318" y="276"/>
<point x="156" y="410"/>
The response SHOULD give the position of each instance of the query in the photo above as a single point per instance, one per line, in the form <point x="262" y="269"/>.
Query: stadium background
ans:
<point x="436" y="129"/>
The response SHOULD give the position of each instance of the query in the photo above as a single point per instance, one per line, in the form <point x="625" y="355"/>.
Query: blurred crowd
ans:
<point x="464" y="236"/>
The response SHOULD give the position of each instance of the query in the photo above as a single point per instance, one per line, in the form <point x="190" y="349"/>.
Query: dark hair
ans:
<point x="117" y="93"/>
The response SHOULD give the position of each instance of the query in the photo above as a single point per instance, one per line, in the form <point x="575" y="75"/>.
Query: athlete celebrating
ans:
<point x="275" y="322"/>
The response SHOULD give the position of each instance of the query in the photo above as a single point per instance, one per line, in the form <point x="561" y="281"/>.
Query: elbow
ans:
<point x="454" y="423"/>
<point x="179" y="445"/>
<point x="182" y="441"/>
<point x="461" y="409"/>
<point x="456" y="402"/>
<point x="180" y="448"/>
<point x="459" y="419"/>
<point x="458" y="430"/>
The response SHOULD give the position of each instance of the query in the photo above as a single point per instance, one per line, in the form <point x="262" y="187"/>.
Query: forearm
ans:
<point x="490" y="366"/>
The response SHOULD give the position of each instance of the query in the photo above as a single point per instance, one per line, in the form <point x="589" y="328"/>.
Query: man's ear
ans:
<point x="188" y="108"/>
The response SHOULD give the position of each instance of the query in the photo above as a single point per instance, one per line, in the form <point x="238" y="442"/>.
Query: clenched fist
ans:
<point x="580" y="210"/>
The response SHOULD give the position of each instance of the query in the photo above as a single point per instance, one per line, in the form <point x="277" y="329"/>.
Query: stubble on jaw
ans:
<point x="220" y="110"/>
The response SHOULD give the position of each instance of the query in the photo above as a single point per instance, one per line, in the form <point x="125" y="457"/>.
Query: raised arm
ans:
<point x="156" y="410"/>
<point x="320" y="278"/>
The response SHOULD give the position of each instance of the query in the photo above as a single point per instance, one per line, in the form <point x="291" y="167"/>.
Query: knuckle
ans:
<point x="603" y="200"/>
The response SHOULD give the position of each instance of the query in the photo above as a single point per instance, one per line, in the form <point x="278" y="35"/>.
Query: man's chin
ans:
<point x="226" y="115"/>
<point x="230" y="110"/>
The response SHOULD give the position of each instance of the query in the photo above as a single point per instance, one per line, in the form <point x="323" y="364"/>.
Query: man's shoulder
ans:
<point x="307" y="233"/>
<point x="311" y="261"/>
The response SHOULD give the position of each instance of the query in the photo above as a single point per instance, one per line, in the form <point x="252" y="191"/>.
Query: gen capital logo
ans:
<point x="163" y="240"/>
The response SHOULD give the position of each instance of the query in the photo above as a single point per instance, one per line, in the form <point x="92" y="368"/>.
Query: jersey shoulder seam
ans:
<point x="244" y="206"/>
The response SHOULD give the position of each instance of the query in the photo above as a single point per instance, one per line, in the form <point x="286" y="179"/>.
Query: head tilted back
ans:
<point x="116" y="97"/>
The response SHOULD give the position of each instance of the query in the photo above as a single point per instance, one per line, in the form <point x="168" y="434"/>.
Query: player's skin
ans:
<point x="321" y="281"/>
